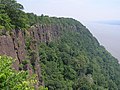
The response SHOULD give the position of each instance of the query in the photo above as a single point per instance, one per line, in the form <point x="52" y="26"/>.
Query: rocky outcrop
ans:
<point x="14" y="45"/>
<point x="17" y="45"/>
<point x="38" y="34"/>
<point x="7" y="47"/>
<point x="45" y="33"/>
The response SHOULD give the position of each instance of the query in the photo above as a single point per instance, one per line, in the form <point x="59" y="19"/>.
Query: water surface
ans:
<point x="108" y="36"/>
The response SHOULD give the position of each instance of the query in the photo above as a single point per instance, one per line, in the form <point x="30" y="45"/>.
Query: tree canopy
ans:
<point x="11" y="79"/>
<point x="12" y="16"/>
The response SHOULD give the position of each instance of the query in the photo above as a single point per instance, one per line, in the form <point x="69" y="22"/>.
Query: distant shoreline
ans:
<point x="108" y="35"/>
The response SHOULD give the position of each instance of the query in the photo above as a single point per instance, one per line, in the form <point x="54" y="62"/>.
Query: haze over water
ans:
<point x="108" y="36"/>
<point x="84" y="10"/>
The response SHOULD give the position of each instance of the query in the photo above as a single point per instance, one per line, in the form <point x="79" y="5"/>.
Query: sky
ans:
<point x="105" y="12"/>
<point x="84" y="10"/>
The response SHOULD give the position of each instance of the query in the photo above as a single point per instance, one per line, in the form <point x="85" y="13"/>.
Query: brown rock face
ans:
<point x="14" y="45"/>
<point x="38" y="34"/>
<point x="45" y="33"/>
<point x="7" y="46"/>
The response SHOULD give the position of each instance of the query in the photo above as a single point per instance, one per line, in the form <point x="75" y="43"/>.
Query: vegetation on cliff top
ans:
<point x="77" y="61"/>
<point x="12" y="16"/>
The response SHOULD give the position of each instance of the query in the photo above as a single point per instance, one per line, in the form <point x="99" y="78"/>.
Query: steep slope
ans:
<point x="70" y="57"/>
<point x="60" y="51"/>
<point x="63" y="54"/>
<point x="75" y="60"/>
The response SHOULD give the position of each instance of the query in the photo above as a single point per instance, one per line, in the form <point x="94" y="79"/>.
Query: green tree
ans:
<point x="14" y="80"/>
<point x="13" y="14"/>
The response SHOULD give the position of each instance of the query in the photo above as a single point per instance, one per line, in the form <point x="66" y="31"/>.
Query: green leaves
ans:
<point x="14" y="80"/>
<point x="12" y="16"/>
<point x="76" y="61"/>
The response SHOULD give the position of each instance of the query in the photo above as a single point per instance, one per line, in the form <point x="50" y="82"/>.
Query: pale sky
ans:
<point x="84" y="10"/>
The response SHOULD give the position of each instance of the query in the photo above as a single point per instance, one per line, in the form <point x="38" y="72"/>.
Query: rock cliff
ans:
<point x="63" y="54"/>
<point x="14" y="45"/>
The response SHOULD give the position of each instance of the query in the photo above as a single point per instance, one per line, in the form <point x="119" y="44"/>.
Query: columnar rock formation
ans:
<point x="14" y="45"/>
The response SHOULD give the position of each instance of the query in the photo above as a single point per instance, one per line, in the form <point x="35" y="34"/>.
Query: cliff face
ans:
<point x="14" y="45"/>
<point x="63" y="54"/>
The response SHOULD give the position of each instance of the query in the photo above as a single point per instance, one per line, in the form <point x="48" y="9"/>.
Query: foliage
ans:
<point x="12" y="16"/>
<point x="76" y="61"/>
<point x="14" y="80"/>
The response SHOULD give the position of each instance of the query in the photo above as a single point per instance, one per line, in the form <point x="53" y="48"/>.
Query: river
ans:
<point x="108" y="36"/>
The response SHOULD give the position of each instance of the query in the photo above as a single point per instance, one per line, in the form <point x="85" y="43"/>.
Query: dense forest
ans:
<point x="77" y="61"/>
<point x="71" y="60"/>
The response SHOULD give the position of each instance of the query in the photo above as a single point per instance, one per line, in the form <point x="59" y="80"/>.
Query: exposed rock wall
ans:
<point x="14" y="45"/>
<point x="45" y="33"/>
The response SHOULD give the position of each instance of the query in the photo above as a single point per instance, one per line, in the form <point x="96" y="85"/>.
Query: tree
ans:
<point x="4" y="18"/>
<point x="14" y="80"/>
<point x="11" y="14"/>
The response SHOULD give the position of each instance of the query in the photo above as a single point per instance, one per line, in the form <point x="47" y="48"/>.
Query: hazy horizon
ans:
<point x="82" y="10"/>
<point x="108" y="35"/>
<point x="105" y="12"/>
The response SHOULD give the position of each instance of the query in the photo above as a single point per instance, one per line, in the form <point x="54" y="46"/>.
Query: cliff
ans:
<point x="60" y="51"/>
<point x="63" y="54"/>
<point x="14" y="45"/>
